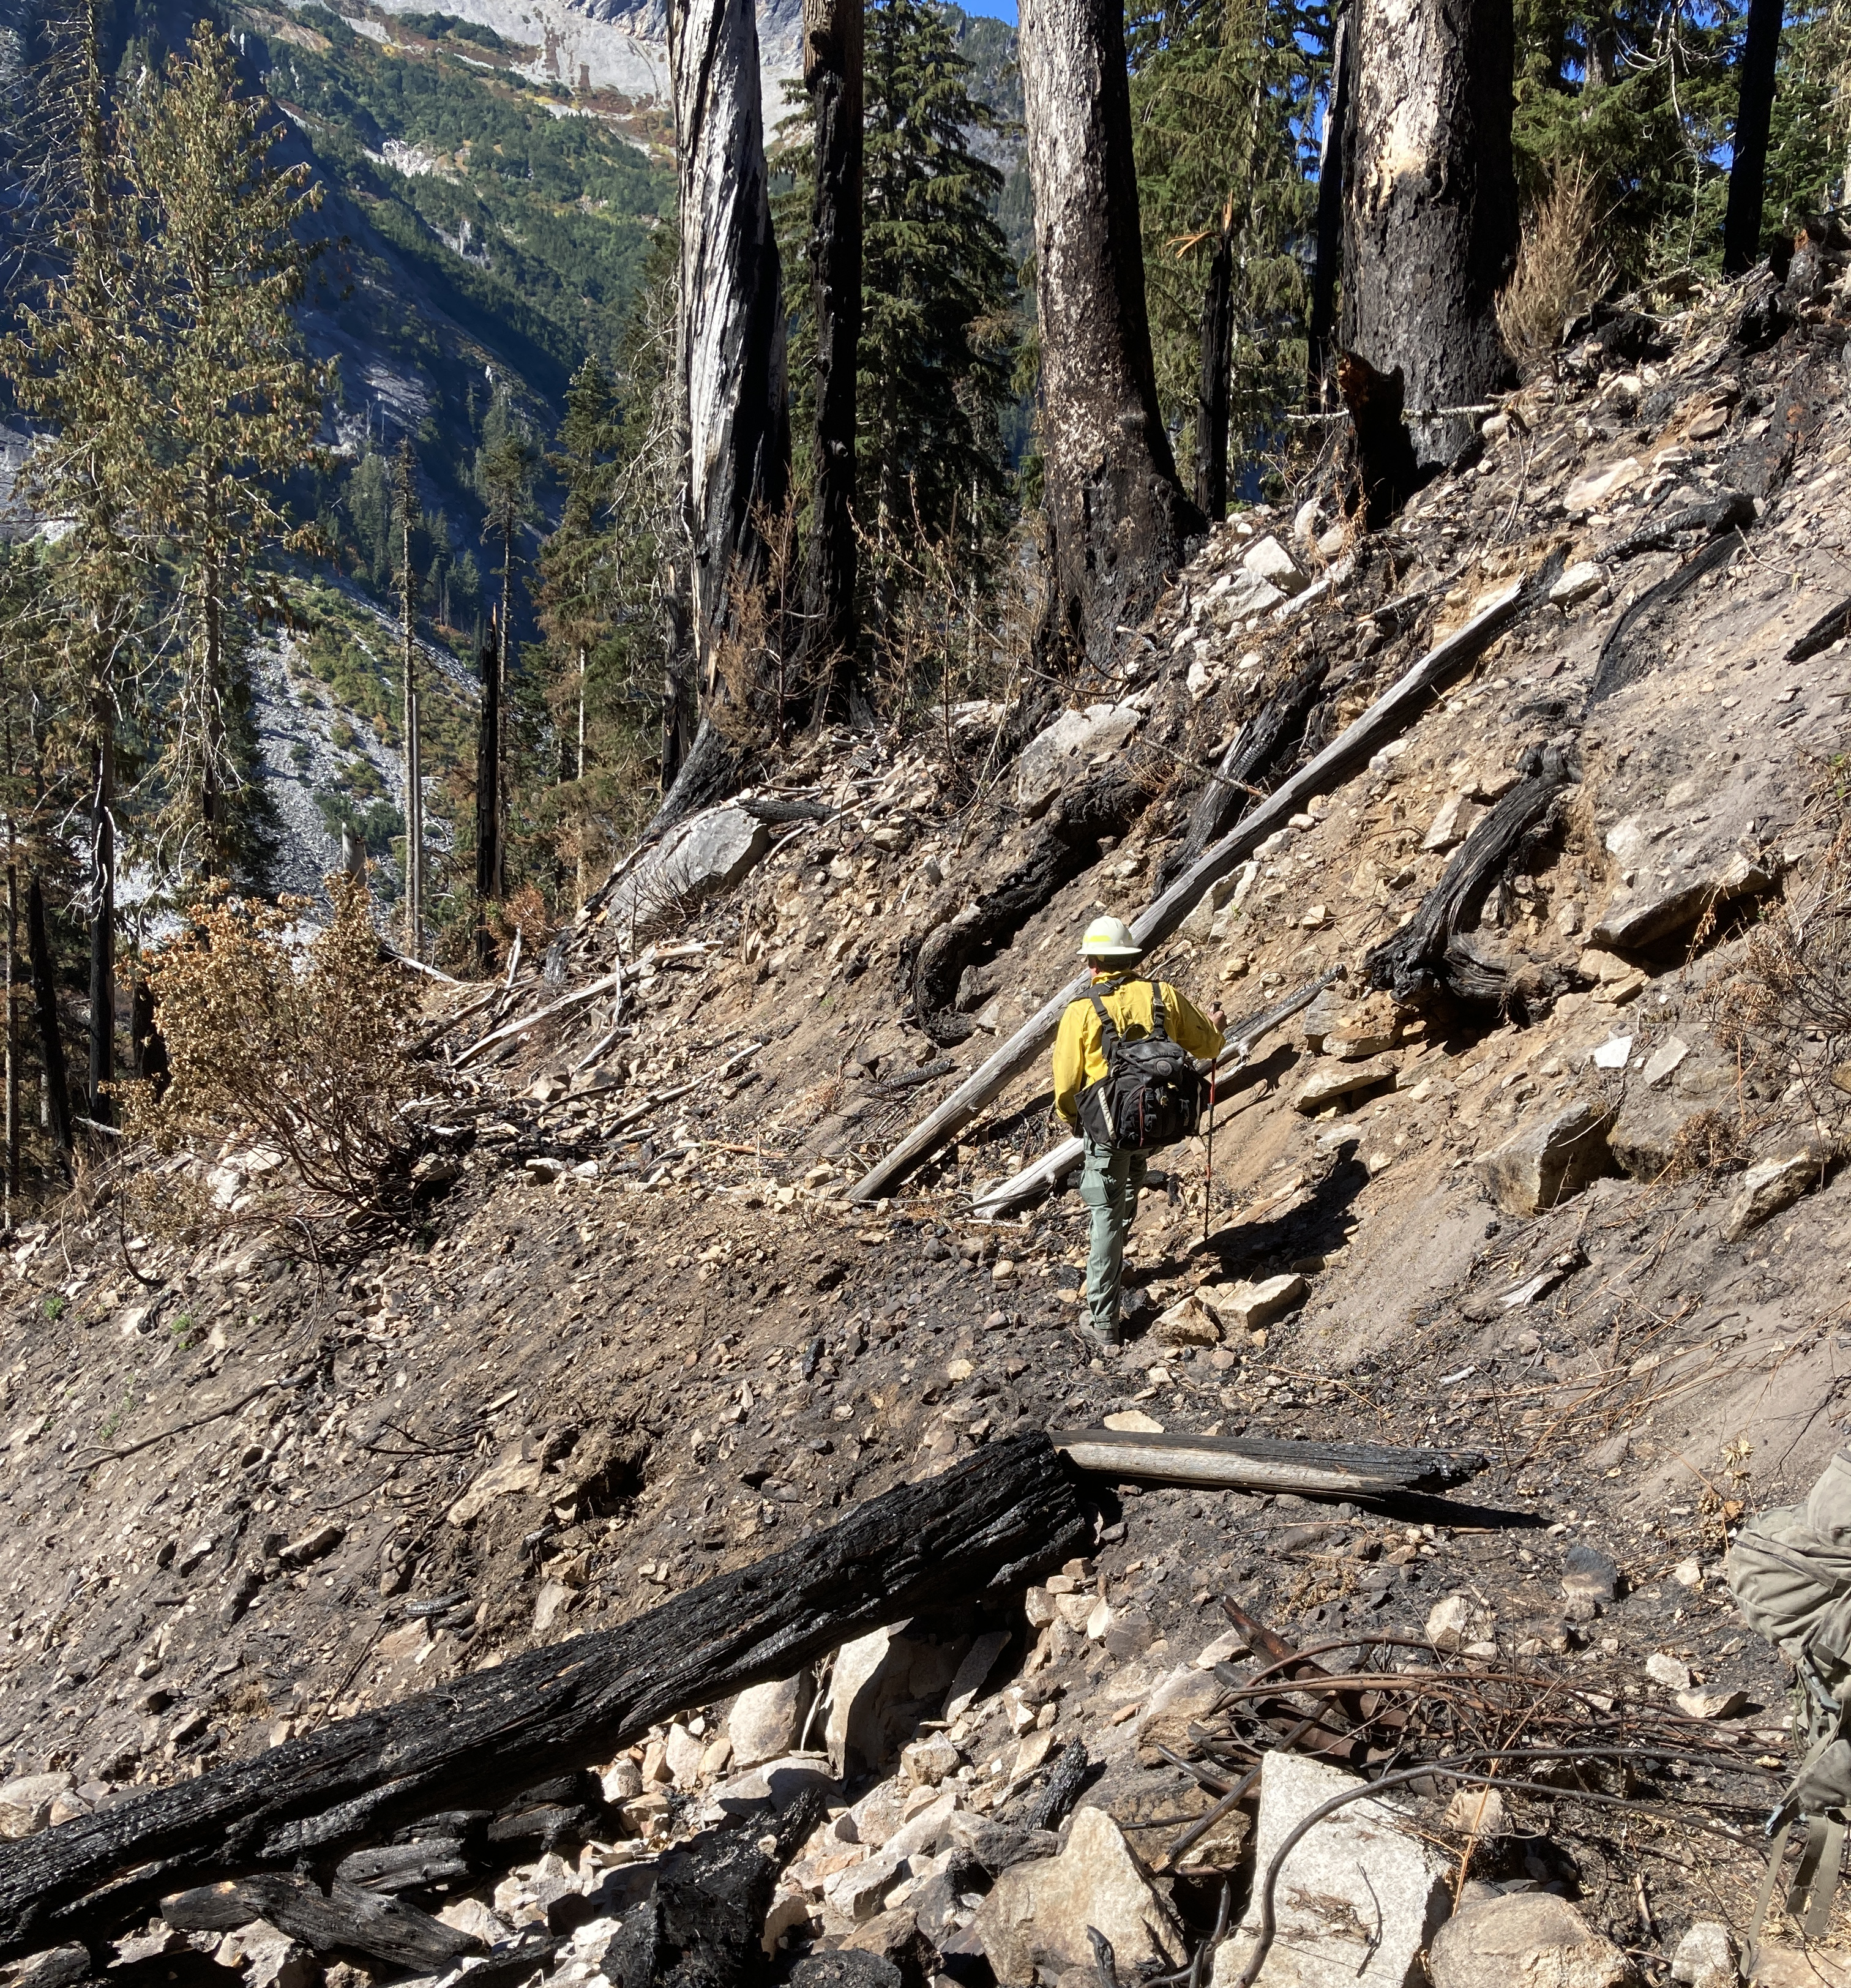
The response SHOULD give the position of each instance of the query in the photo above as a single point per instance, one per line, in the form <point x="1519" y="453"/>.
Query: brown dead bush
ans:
<point x="1555" y="277"/>
<point x="1785" y="1014"/>
<point x="288" y="1053"/>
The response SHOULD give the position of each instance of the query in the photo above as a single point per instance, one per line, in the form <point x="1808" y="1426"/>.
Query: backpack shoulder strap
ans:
<point x="1107" y="1028"/>
<point x="1159" y="1026"/>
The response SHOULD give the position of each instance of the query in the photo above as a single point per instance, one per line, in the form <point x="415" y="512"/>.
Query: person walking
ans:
<point x="1118" y="1082"/>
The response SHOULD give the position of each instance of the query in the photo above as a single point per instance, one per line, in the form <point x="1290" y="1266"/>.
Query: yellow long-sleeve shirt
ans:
<point x="1079" y="1045"/>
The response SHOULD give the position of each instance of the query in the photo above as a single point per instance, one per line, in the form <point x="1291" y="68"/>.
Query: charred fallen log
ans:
<point x="1433" y="951"/>
<point x="1067" y="845"/>
<point x="990" y="1524"/>
<point x="1268" y="738"/>
<point x="1723" y="513"/>
<point x="346" y="1919"/>
<point x="703" y="1924"/>
<point x="1631" y="650"/>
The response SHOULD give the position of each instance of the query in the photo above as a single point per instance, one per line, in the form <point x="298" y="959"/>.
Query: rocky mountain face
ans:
<point x="1547" y="1183"/>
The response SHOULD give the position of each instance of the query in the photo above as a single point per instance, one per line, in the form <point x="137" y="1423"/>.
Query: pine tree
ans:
<point x="1221" y="91"/>
<point x="240" y="402"/>
<point x="505" y="467"/>
<point x="576" y="575"/>
<point x="83" y="363"/>
<point x="938" y="340"/>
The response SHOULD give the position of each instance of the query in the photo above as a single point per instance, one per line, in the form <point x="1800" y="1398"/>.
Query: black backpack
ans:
<point x="1152" y="1092"/>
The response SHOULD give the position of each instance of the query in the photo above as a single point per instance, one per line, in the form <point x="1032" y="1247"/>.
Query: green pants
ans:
<point x="1109" y="1182"/>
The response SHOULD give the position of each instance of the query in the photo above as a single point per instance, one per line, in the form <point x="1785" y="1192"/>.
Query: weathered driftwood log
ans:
<point x="349" y="1919"/>
<point x="1386" y="718"/>
<point x="1255" y="1463"/>
<point x="989" y="1524"/>
<point x="1431" y="953"/>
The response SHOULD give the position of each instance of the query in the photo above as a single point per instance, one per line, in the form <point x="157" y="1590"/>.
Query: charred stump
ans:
<point x="1387" y="473"/>
<point x="1437" y="952"/>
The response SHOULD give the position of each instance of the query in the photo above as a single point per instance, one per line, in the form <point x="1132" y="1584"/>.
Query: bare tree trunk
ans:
<point x="1431" y="211"/>
<point x="488" y="813"/>
<point x="1330" y="218"/>
<point x="12" y="1016"/>
<point x="733" y="335"/>
<point x="102" y="909"/>
<point x="1119" y="519"/>
<point x="1753" y="112"/>
<point x="832" y="73"/>
<point x="730" y="350"/>
<point x="45" y="987"/>
<point x="414" y="810"/>
<point x="211" y="723"/>
<point x="504" y="629"/>
<point x="1212" y="389"/>
<point x="680" y="717"/>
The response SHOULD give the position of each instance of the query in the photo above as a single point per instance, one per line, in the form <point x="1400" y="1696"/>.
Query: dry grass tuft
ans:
<point x="1555" y="279"/>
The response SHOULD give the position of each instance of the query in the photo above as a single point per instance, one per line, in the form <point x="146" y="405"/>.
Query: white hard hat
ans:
<point x="1110" y="939"/>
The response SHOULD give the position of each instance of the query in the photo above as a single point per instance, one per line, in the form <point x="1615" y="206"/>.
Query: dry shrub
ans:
<point x="287" y="1054"/>
<point x="1555" y="277"/>
<point x="1785" y="1013"/>
<point x="1712" y="1142"/>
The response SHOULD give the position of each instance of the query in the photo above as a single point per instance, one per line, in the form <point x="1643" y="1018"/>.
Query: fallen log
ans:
<point x="1628" y="652"/>
<point x="1834" y="622"/>
<point x="348" y="1919"/>
<point x="1431" y="952"/>
<point x="1386" y="718"/>
<point x="521" y="1023"/>
<point x="1256" y="1463"/>
<point x="988" y="1524"/>
<point x="1043" y="1173"/>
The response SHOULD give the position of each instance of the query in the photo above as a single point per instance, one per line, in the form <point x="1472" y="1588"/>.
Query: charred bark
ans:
<point x="51" y="1037"/>
<point x="988" y="1524"/>
<point x="102" y="911"/>
<point x="1118" y="518"/>
<point x="1066" y="847"/>
<point x="1435" y="951"/>
<point x="1330" y="219"/>
<point x="1387" y="474"/>
<point x="1212" y="393"/>
<point x="1270" y="737"/>
<point x="832" y="74"/>
<point x="346" y="1919"/>
<point x="1749" y="158"/>
<point x="1632" y="650"/>
<point x="1430" y="203"/>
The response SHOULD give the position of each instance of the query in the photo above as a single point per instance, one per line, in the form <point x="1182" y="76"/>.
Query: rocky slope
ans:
<point x="1592" y="1228"/>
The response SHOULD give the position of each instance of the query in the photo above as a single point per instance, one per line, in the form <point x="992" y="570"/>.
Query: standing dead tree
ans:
<point x="1753" y="115"/>
<point x="1430" y="205"/>
<point x="832" y="74"/>
<point x="730" y="346"/>
<point x="1118" y="518"/>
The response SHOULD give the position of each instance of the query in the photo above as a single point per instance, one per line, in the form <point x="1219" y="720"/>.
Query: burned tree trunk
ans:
<point x="832" y="74"/>
<point x="488" y="788"/>
<point x="1748" y="161"/>
<point x="1430" y="203"/>
<point x="988" y="1524"/>
<point x="1212" y="393"/>
<point x="1434" y="952"/>
<point x="1118" y="518"/>
<point x="51" y="1039"/>
<point x="1387" y="474"/>
<point x="730" y="349"/>
<point x="1330" y="217"/>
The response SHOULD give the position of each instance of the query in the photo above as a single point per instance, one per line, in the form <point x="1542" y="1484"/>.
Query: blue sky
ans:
<point x="995" y="10"/>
